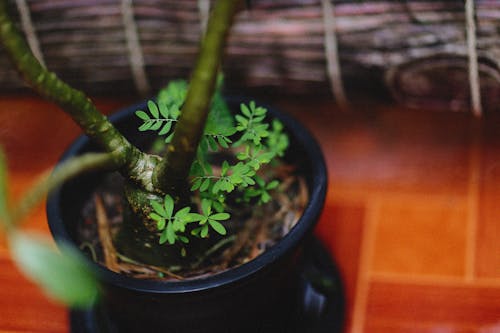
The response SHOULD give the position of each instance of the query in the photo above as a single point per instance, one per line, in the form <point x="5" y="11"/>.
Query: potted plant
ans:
<point x="198" y="254"/>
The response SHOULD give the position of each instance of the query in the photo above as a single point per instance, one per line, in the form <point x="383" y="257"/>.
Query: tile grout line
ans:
<point x="433" y="280"/>
<point x="366" y="256"/>
<point x="349" y="196"/>
<point x="473" y="191"/>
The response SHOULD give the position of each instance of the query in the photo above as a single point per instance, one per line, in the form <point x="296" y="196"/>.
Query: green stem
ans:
<point x="72" y="101"/>
<point x="69" y="169"/>
<point x="171" y="174"/>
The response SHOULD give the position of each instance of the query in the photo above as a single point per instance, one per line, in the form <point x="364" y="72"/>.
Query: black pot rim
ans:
<point x="303" y="227"/>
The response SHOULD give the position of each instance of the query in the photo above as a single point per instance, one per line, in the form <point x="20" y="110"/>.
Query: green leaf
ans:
<point x="265" y="157"/>
<point x="260" y="111"/>
<point x="196" y="232"/>
<point x="272" y="185"/>
<point x="212" y="143"/>
<point x="277" y="125"/>
<point x="175" y="112"/>
<point x="204" y="231"/>
<point x="170" y="233"/>
<point x="204" y="186"/>
<point x="163" y="110"/>
<point x="242" y="121"/>
<point x="141" y="114"/>
<point x="265" y="198"/>
<point x="159" y="209"/>
<point x="65" y="276"/>
<point x="185" y="240"/>
<point x="182" y="213"/>
<point x="166" y="128"/>
<point x="254" y="164"/>
<point x="248" y="180"/>
<point x="197" y="183"/>
<point x="169" y="138"/>
<point x="206" y="207"/>
<point x="178" y="225"/>
<point x="196" y="169"/>
<point x="156" y="125"/>
<point x="218" y="227"/>
<point x="219" y="118"/>
<point x="218" y="206"/>
<point x="161" y="224"/>
<point x="245" y="110"/>
<point x="225" y="168"/>
<point x="168" y="203"/>
<point x="242" y="156"/>
<point x="260" y="181"/>
<point x="228" y="187"/>
<point x="156" y="217"/>
<point x="174" y="93"/>
<point x="153" y="108"/>
<point x="146" y="126"/>
<point x="258" y="119"/>
<point x="227" y="131"/>
<point x="220" y="216"/>
<point x="163" y="237"/>
<point x="217" y="186"/>
<point x="194" y="217"/>
<point x="222" y="142"/>
<point x="203" y="146"/>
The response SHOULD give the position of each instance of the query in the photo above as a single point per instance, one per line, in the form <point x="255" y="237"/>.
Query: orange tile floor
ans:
<point x="412" y="213"/>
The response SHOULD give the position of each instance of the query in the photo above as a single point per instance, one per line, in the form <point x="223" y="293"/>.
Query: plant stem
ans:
<point x="48" y="181"/>
<point x="171" y="174"/>
<point x="72" y="101"/>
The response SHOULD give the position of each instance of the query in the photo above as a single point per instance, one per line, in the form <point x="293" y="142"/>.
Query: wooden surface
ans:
<point x="411" y="216"/>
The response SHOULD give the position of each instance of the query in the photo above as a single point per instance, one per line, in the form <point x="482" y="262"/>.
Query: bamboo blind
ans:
<point x="437" y="54"/>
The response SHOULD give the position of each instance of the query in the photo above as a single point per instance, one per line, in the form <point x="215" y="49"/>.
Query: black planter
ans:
<point x="259" y="296"/>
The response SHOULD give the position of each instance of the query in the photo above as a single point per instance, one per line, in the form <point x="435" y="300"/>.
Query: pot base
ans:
<point x="320" y="307"/>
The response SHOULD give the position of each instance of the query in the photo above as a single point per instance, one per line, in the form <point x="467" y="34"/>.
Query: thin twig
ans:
<point x="29" y="30"/>
<point x="87" y="245"/>
<point x="214" y="249"/>
<point x="111" y="256"/>
<point x="332" y="55"/>
<point x="134" y="48"/>
<point x="133" y="265"/>
<point x="109" y="250"/>
<point x="475" y="89"/>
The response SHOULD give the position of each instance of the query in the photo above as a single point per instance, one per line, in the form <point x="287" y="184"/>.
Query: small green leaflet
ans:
<point x="142" y="115"/>
<point x="64" y="276"/>
<point x="218" y="227"/>
<point x="153" y="108"/>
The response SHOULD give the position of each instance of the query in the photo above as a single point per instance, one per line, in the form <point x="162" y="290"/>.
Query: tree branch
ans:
<point x="72" y="101"/>
<point x="171" y="174"/>
<point x="50" y="180"/>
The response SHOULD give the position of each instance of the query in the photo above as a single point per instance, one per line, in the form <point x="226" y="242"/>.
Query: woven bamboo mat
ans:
<point x="411" y="52"/>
